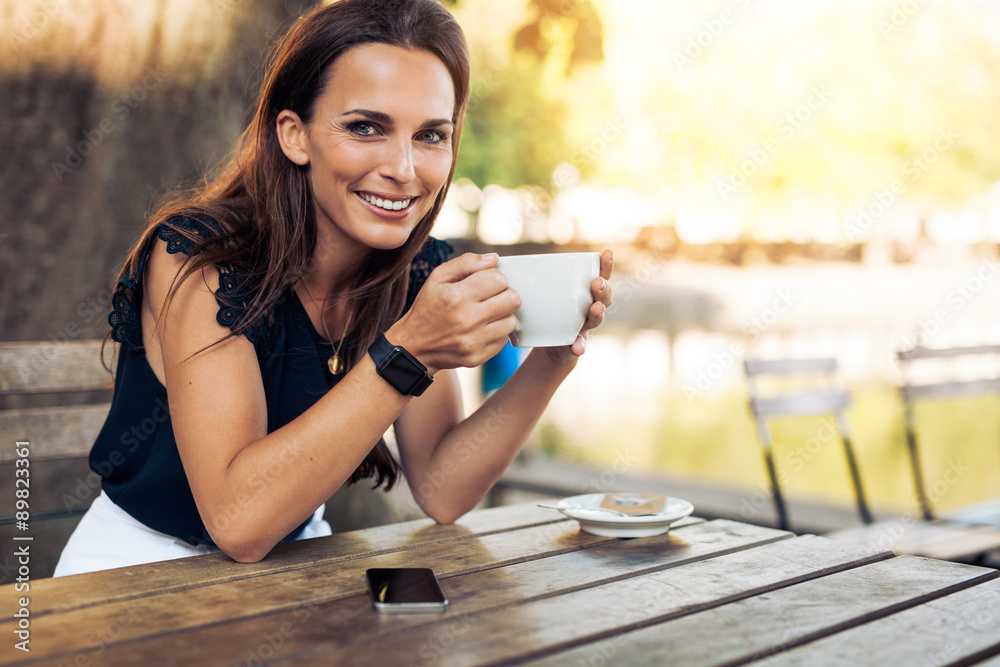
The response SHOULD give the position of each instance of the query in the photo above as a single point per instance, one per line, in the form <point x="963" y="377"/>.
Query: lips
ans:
<point x="386" y="202"/>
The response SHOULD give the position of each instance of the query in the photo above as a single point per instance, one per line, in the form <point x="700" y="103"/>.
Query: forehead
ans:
<point x="398" y="81"/>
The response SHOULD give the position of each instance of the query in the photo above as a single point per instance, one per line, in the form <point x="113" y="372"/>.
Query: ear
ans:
<point x="292" y="137"/>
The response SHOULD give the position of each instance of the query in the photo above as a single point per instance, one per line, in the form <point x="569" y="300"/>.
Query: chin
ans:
<point x="391" y="240"/>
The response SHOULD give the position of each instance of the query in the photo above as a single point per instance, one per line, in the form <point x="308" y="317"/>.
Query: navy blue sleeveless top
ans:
<point x="136" y="454"/>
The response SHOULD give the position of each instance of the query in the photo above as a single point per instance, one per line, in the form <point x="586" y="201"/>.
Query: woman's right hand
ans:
<point x="462" y="315"/>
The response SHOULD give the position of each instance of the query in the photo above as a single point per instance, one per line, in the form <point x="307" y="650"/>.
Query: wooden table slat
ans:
<point x="961" y="628"/>
<point x="187" y="573"/>
<point x="482" y="585"/>
<point x="938" y="539"/>
<point x="586" y="615"/>
<point x="782" y="619"/>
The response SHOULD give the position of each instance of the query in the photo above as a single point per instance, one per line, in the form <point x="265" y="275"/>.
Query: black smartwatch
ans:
<point x="399" y="368"/>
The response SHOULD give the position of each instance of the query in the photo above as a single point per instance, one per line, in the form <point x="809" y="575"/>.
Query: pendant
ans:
<point x="335" y="365"/>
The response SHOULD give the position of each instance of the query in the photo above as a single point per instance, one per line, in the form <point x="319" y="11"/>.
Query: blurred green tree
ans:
<point x="516" y="131"/>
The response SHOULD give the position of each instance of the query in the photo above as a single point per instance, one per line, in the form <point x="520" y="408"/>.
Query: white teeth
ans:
<point x="387" y="204"/>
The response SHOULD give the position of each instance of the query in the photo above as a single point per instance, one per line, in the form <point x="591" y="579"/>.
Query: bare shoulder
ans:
<point x="187" y="325"/>
<point x="164" y="270"/>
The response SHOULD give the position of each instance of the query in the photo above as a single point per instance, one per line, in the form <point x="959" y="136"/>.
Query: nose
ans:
<point x="398" y="161"/>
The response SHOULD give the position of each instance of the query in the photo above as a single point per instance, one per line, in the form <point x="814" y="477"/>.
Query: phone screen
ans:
<point x="406" y="589"/>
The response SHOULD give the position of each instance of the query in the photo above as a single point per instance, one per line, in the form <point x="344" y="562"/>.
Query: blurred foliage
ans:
<point x="585" y="31"/>
<point x="851" y="95"/>
<point x="843" y="98"/>
<point x="517" y="126"/>
<point x="514" y="134"/>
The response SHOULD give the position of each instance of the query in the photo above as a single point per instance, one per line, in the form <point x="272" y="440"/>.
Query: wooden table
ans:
<point x="527" y="586"/>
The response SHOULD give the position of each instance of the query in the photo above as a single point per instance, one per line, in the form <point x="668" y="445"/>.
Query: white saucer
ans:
<point x="606" y="524"/>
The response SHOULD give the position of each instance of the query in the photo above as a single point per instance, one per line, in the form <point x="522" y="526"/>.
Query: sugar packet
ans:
<point x="635" y="503"/>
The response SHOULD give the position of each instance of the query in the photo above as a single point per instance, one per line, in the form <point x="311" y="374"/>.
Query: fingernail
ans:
<point x="490" y="256"/>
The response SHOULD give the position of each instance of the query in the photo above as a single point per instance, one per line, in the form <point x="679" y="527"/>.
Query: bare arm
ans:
<point x="451" y="464"/>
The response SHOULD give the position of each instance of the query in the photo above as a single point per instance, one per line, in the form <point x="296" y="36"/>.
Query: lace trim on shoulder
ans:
<point x="234" y="296"/>
<point x="205" y="228"/>
<point x="434" y="253"/>
<point x="126" y="328"/>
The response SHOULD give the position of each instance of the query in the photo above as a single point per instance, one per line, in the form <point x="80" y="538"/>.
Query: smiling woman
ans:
<point x="379" y="145"/>
<point x="320" y="222"/>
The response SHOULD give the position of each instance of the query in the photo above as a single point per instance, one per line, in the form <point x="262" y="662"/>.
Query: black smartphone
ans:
<point x="404" y="590"/>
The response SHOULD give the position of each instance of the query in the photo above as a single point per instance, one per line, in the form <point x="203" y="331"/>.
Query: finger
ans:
<point x="485" y="284"/>
<point x="502" y="304"/>
<point x="595" y="317"/>
<point x="500" y="328"/>
<point x="601" y="289"/>
<point x="464" y="266"/>
<point x="607" y="263"/>
<point x="579" y="346"/>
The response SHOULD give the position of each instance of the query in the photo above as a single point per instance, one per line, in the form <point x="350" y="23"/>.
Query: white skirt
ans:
<point x="108" y="537"/>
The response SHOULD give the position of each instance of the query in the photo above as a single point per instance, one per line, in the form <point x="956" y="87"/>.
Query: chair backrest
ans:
<point x="808" y="402"/>
<point x="54" y="398"/>
<point x="914" y="392"/>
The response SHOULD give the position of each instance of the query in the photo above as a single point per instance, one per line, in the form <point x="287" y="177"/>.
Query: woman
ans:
<point x="277" y="322"/>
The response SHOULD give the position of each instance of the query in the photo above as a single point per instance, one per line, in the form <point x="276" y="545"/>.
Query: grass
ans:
<point x="713" y="439"/>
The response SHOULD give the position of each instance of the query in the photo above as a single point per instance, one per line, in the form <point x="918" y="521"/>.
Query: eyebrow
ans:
<point x="382" y="117"/>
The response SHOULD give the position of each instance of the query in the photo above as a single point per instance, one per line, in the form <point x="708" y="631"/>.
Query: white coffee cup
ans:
<point x="555" y="295"/>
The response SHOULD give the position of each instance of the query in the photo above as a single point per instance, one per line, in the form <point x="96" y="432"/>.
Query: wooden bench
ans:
<point x="54" y="397"/>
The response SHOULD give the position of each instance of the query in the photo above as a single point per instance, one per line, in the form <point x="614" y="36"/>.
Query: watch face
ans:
<point x="404" y="371"/>
<point x="399" y="368"/>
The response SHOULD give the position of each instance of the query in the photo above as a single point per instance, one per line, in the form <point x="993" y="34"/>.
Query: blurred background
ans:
<point x="776" y="178"/>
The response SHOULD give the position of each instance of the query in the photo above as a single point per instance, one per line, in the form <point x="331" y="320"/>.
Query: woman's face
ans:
<point x="379" y="146"/>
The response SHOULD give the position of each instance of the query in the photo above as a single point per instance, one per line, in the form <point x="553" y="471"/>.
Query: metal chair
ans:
<point x="828" y="400"/>
<point x="928" y="535"/>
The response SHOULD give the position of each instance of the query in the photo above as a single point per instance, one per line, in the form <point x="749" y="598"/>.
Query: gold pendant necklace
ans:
<point x="334" y="363"/>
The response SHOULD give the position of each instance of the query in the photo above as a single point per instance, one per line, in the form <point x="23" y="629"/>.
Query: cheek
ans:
<point x="436" y="169"/>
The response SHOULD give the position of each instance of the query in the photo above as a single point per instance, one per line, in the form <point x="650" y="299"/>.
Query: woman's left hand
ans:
<point x="601" y="289"/>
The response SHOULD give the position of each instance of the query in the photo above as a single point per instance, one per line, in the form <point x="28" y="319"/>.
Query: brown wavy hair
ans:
<point x="262" y="203"/>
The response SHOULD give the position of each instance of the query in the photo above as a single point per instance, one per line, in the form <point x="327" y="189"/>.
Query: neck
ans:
<point x="335" y="265"/>
<point x="336" y="262"/>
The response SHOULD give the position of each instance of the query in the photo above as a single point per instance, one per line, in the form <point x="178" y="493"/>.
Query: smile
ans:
<point x="387" y="204"/>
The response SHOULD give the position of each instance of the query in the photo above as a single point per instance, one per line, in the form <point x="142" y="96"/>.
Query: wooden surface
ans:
<point x="46" y="366"/>
<point x="53" y="395"/>
<point x="801" y="404"/>
<point x="942" y="538"/>
<point x="526" y="586"/>
<point x="57" y="432"/>
<point x="938" y="353"/>
<point x="789" y="366"/>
